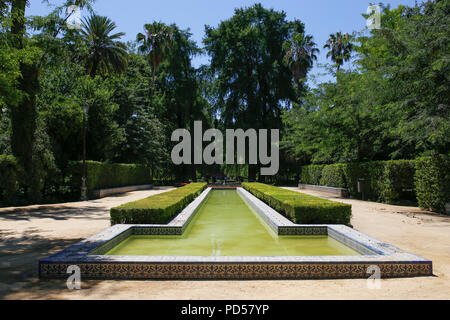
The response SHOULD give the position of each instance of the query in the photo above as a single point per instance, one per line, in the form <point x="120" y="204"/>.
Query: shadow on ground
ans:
<point x="19" y="257"/>
<point x="55" y="213"/>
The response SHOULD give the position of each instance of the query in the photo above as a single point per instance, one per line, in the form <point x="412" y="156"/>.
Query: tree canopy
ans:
<point x="388" y="97"/>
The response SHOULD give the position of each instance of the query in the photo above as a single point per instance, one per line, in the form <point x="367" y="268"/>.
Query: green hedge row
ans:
<point x="301" y="208"/>
<point x="157" y="209"/>
<point x="108" y="175"/>
<point x="389" y="181"/>
<point x="432" y="182"/>
<point x="9" y="171"/>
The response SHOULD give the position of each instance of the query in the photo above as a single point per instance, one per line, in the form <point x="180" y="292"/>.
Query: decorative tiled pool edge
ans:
<point x="89" y="254"/>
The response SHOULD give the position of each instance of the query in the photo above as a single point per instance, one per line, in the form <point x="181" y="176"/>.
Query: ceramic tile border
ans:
<point x="88" y="254"/>
<point x="234" y="271"/>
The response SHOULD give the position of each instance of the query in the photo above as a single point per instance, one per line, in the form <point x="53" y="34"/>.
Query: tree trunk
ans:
<point x="252" y="172"/>
<point x="24" y="114"/>
<point x="94" y="68"/>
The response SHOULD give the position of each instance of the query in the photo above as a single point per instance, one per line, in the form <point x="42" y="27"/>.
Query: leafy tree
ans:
<point x="23" y="112"/>
<point x="255" y="81"/>
<point x="144" y="141"/>
<point x="394" y="105"/>
<point x="103" y="133"/>
<point x="60" y="106"/>
<point x="9" y="61"/>
<point x="179" y="102"/>
<point x="338" y="122"/>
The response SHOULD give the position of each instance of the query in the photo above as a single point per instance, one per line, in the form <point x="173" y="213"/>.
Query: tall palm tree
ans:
<point x="106" y="53"/>
<point x="301" y="53"/>
<point x="340" y="48"/>
<point x="156" y="41"/>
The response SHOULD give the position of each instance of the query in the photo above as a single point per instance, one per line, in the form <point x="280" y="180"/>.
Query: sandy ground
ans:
<point x="28" y="234"/>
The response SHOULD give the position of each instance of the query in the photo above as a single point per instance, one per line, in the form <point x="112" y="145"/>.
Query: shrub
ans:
<point x="301" y="208"/>
<point x="333" y="176"/>
<point x="312" y="174"/>
<point x="9" y="178"/>
<point x="107" y="175"/>
<point x="386" y="181"/>
<point x="371" y="172"/>
<point x="397" y="181"/>
<point x="157" y="209"/>
<point x="432" y="180"/>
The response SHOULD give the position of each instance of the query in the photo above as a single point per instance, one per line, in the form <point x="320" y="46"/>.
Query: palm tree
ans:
<point x="301" y="54"/>
<point x="340" y="48"/>
<point x="155" y="42"/>
<point x="106" y="53"/>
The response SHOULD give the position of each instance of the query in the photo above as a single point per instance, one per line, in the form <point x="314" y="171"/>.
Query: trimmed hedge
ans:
<point x="432" y="180"/>
<point x="386" y="181"/>
<point x="157" y="209"/>
<point x="108" y="175"/>
<point x="312" y="174"/>
<point x="426" y="179"/>
<point x="397" y="181"/>
<point x="9" y="171"/>
<point x="301" y="208"/>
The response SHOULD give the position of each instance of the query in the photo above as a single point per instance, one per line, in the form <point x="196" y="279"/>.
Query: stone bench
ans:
<point x="340" y="192"/>
<point x="100" y="193"/>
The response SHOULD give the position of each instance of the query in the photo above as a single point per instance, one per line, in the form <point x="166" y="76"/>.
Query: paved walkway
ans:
<point x="28" y="234"/>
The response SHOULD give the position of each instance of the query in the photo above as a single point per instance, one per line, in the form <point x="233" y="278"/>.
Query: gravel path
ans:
<point x="28" y="234"/>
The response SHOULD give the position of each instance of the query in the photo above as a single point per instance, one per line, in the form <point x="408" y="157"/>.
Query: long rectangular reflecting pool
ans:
<point x="226" y="226"/>
<point x="231" y="234"/>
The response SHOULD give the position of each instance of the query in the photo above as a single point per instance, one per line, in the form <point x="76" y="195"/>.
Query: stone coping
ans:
<point x="341" y="192"/>
<point x="90" y="253"/>
<point x="100" y="193"/>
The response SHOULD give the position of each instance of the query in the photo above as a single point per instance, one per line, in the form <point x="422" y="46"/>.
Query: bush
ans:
<point x="301" y="208"/>
<point x="157" y="209"/>
<point x="107" y="175"/>
<point x="311" y="174"/>
<point x="386" y="181"/>
<point x="9" y="178"/>
<point x="432" y="181"/>
<point x="397" y="181"/>
<point x="333" y="176"/>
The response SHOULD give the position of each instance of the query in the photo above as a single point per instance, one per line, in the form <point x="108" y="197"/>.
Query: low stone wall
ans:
<point x="340" y="192"/>
<point x="100" y="193"/>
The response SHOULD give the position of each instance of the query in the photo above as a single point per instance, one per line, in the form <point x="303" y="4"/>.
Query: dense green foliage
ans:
<point x="9" y="172"/>
<point x="301" y="208"/>
<point x="258" y="59"/>
<point x="433" y="182"/>
<point x="388" y="98"/>
<point x="157" y="209"/>
<point x="108" y="175"/>
<point x="132" y="107"/>
<point x="393" y="103"/>
<point x="387" y="181"/>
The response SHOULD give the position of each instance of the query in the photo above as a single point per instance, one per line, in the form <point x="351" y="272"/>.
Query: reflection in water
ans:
<point x="217" y="245"/>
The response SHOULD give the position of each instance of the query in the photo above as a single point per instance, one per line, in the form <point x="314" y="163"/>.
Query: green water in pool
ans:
<point x="225" y="226"/>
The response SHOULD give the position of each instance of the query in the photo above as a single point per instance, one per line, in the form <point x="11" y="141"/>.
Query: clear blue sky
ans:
<point x="321" y="17"/>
